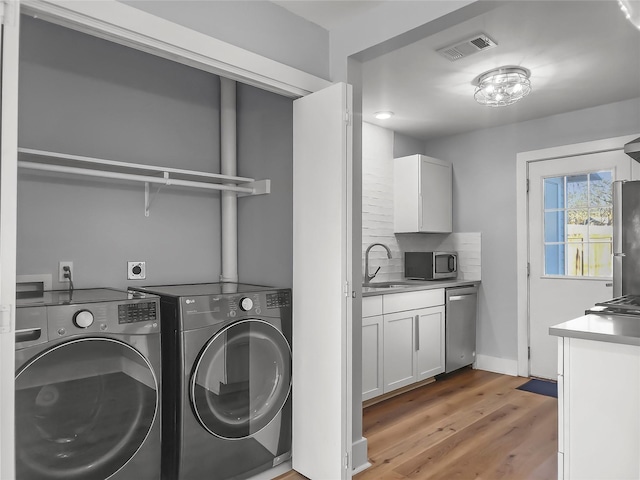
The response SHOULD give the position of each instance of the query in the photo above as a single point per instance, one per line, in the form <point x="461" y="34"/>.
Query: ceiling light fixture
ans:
<point x="631" y="11"/>
<point x="502" y="86"/>
<point x="383" y="115"/>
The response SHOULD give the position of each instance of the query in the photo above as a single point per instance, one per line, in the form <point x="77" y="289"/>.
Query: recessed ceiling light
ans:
<point x="383" y="115"/>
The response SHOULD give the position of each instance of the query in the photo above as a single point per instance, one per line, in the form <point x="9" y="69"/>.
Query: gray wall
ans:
<point x="85" y="96"/>
<point x="258" y="26"/>
<point x="404" y="145"/>
<point x="484" y="199"/>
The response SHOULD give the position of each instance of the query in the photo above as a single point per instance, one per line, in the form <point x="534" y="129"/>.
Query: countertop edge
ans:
<point x="602" y="328"/>
<point x="427" y="285"/>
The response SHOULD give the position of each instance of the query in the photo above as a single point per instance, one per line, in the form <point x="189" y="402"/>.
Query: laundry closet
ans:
<point x="81" y="95"/>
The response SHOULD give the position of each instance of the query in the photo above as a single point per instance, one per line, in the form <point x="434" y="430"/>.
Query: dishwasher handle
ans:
<point x="453" y="298"/>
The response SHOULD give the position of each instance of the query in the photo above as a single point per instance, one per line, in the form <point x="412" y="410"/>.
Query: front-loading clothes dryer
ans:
<point x="227" y="379"/>
<point x="87" y="386"/>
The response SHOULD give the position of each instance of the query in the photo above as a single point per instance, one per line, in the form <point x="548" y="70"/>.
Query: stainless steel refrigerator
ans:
<point x="626" y="238"/>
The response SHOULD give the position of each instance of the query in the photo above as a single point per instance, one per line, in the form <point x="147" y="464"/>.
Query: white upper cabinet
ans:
<point x="422" y="195"/>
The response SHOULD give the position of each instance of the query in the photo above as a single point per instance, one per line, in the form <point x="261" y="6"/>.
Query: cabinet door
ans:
<point x="399" y="350"/>
<point x="372" y="357"/>
<point x="435" y="213"/>
<point x="430" y="344"/>
<point x="422" y="194"/>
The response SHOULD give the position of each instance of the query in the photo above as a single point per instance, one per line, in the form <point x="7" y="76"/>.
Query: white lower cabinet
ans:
<point x="598" y="410"/>
<point x="402" y="340"/>
<point x="413" y="346"/>
<point x="372" y="357"/>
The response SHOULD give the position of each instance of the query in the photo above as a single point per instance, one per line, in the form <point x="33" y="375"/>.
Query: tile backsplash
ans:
<point x="377" y="217"/>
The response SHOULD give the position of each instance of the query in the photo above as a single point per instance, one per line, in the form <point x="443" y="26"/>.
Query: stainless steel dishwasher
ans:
<point x="460" y="321"/>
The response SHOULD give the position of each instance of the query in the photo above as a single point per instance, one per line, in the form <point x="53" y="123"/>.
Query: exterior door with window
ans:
<point x="570" y="244"/>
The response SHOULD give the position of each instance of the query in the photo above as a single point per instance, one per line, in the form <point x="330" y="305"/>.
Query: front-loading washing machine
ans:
<point x="87" y="386"/>
<point x="227" y="379"/>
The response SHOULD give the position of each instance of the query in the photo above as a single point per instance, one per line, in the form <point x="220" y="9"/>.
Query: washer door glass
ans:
<point x="83" y="409"/>
<point x="241" y="379"/>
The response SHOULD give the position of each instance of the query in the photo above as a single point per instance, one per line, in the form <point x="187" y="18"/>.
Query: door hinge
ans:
<point x="5" y="318"/>
<point x="347" y="290"/>
<point x="347" y="118"/>
<point x="346" y="461"/>
<point x="528" y="269"/>
<point x="529" y="353"/>
<point x="527" y="185"/>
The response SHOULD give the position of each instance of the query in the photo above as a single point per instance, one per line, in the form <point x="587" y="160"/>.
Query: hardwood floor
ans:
<point x="470" y="424"/>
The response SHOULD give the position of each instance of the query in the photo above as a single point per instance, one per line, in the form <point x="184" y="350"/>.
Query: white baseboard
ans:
<point x="274" y="472"/>
<point x="505" y="366"/>
<point x="359" y="458"/>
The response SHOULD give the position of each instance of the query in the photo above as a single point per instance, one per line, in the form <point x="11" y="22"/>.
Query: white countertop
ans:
<point x="623" y="329"/>
<point x="413" y="285"/>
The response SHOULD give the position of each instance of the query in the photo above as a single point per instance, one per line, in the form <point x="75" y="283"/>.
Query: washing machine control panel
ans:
<point x="133" y="317"/>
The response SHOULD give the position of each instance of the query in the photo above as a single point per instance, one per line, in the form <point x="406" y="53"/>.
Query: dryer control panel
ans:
<point x="204" y="310"/>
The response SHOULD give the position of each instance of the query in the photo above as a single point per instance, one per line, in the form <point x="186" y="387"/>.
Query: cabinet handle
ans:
<point x="417" y="328"/>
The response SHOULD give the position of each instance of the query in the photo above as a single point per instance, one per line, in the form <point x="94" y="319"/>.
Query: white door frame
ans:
<point x="125" y="25"/>
<point x="522" y="221"/>
<point x="9" y="13"/>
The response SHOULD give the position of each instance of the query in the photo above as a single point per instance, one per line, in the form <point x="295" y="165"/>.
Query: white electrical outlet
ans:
<point x="61" y="272"/>
<point x="136" y="270"/>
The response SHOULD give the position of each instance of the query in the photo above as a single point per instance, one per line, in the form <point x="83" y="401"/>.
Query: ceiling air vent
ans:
<point x="468" y="47"/>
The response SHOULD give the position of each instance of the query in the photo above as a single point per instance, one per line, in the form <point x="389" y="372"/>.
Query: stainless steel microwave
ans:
<point x="430" y="265"/>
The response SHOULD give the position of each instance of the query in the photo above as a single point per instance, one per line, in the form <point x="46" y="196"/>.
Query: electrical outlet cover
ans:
<point x="136" y="270"/>
<point x="61" y="272"/>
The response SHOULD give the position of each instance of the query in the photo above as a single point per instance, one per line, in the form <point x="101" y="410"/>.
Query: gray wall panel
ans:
<point x="265" y="223"/>
<point x="484" y="199"/>
<point x="82" y="95"/>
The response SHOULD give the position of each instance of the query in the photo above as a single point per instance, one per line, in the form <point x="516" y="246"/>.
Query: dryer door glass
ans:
<point x="83" y="409"/>
<point x="241" y="380"/>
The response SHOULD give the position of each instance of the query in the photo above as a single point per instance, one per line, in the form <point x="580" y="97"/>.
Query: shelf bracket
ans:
<point x="148" y="198"/>
<point x="260" y="187"/>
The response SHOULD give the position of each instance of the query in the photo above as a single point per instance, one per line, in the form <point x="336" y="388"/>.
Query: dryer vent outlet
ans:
<point x="136" y="270"/>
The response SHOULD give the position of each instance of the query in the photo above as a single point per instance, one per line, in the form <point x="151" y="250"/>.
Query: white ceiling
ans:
<point x="328" y="13"/>
<point x="580" y="53"/>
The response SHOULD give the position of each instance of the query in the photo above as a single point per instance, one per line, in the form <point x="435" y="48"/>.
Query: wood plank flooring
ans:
<point x="470" y="424"/>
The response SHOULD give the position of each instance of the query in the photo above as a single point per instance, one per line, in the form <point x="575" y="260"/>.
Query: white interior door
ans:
<point x="9" y="20"/>
<point x="321" y="284"/>
<point x="570" y="244"/>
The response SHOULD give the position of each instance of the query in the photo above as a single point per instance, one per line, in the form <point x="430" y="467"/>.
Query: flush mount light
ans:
<point x="502" y="86"/>
<point x="383" y="115"/>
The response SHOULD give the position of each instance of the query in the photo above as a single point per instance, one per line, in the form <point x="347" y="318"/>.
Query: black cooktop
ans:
<point x="66" y="297"/>
<point x="625" y="305"/>
<point x="197" y="289"/>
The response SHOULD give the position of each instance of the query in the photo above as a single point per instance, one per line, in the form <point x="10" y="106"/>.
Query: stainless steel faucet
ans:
<point x="368" y="277"/>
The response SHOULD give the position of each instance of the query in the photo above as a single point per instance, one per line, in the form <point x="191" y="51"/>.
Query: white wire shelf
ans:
<point x="148" y="174"/>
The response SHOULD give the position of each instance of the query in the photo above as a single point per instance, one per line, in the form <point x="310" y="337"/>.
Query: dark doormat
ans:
<point x="543" y="387"/>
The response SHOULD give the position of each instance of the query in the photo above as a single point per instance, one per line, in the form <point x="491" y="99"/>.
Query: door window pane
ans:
<point x="578" y="224"/>
<point x="553" y="226"/>
<point x="577" y="191"/>
<point x="554" y="193"/>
